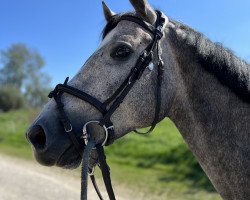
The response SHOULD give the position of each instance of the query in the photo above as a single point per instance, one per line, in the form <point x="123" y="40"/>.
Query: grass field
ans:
<point x="160" y="165"/>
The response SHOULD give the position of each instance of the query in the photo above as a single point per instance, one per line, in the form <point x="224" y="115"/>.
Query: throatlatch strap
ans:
<point x="160" y="70"/>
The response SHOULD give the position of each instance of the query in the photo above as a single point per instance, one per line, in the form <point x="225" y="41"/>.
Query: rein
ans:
<point x="88" y="148"/>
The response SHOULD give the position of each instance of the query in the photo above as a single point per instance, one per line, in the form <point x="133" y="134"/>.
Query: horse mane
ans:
<point x="229" y="69"/>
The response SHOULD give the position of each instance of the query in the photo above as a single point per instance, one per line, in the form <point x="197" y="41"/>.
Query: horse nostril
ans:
<point x="37" y="137"/>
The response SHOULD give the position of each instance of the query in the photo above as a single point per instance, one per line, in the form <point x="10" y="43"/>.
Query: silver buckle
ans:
<point x="85" y="135"/>
<point x="92" y="172"/>
<point x="68" y="130"/>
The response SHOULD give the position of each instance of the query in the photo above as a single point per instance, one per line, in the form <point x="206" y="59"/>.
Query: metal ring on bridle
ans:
<point x="68" y="130"/>
<point x="85" y="135"/>
<point x="91" y="172"/>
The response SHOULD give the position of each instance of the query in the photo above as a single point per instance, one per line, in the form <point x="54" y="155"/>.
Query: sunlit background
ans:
<point x="59" y="36"/>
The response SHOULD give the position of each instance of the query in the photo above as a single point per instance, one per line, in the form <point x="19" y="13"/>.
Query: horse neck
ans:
<point x="215" y="124"/>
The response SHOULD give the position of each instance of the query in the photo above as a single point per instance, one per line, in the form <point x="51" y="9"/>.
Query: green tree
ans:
<point x="22" y="69"/>
<point x="10" y="98"/>
<point x="37" y="90"/>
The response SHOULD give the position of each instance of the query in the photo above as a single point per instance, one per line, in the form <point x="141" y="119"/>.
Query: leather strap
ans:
<point x="79" y="94"/>
<point x="63" y="118"/>
<point x="148" y="27"/>
<point x="105" y="172"/>
<point x="135" y="74"/>
<point x="92" y="178"/>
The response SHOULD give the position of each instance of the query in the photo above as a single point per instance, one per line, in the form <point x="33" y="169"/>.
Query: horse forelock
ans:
<point x="229" y="69"/>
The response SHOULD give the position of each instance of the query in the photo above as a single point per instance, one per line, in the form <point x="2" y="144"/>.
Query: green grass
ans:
<point x="165" y="151"/>
<point x="163" y="161"/>
<point x="159" y="164"/>
<point x="12" y="132"/>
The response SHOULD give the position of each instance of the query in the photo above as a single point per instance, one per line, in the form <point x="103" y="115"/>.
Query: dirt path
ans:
<point x="26" y="180"/>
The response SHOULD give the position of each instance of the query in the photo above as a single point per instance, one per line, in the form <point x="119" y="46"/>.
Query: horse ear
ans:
<point x="108" y="13"/>
<point x="144" y="10"/>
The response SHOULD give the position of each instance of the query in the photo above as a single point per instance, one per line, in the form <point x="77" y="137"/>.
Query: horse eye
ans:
<point x="121" y="52"/>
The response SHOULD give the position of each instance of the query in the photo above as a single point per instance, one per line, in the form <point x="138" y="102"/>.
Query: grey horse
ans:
<point x="206" y="92"/>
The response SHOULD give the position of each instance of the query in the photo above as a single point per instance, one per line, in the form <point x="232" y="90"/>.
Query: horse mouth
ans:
<point x="69" y="159"/>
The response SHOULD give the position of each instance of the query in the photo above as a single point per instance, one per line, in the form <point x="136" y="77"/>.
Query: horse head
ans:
<point x="126" y="39"/>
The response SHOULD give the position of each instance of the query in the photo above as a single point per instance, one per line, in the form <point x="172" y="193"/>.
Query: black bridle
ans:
<point x="86" y="143"/>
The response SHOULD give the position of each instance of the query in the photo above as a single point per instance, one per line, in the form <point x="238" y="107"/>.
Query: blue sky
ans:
<point x="66" y="32"/>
